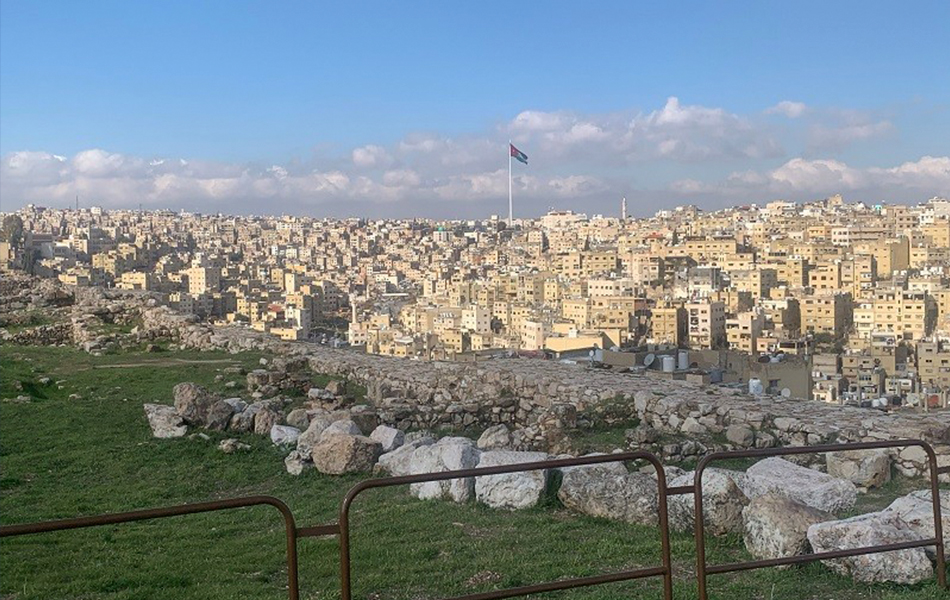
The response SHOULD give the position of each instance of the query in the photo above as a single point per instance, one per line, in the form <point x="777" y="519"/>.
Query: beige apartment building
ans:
<point x="706" y="325"/>
<point x="744" y="330"/>
<point x="907" y="315"/>
<point x="668" y="325"/>
<point x="825" y="277"/>
<point x="826" y="313"/>
<point x="205" y="279"/>
<point x="858" y="274"/>
<point x="577" y="311"/>
<point x="933" y="364"/>
<point x="890" y="255"/>
<point x="758" y="281"/>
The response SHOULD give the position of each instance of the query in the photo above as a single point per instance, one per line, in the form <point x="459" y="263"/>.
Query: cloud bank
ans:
<point x="581" y="161"/>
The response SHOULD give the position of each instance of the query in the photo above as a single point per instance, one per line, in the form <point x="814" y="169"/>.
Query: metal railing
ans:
<point x="703" y="569"/>
<point x="664" y="570"/>
<point x="290" y="527"/>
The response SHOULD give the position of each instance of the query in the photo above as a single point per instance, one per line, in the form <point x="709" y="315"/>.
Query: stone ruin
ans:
<point x="778" y="508"/>
<point x="529" y="410"/>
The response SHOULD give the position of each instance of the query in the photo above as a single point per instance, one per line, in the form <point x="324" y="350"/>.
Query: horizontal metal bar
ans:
<point x="665" y="570"/>
<point x="819" y="449"/>
<point x="319" y="530"/>
<point x="703" y="569"/>
<point x="680" y="490"/>
<point x="290" y="527"/>
<point x="805" y="558"/>
<point x="564" y="584"/>
<point x="142" y="515"/>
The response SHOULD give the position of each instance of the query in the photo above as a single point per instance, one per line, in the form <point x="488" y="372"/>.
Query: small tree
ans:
<point x="12" y="230"/>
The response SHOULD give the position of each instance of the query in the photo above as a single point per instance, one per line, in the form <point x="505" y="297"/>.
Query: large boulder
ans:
<point x="723" y="501"/>
<point x="898" y="566"/>
<point x="806" y="486"/>
<point x="399" y="461"/>
<point x="917" y="510"/>
<point x="496" y="437"/>
<point x="219" y="415"/>
<point x="516" y="490"/>
<point x="740" y="435"/>
<point x="265" y="420"/>
<point x="775" y="526"/>
<point x="448" y="454"/>
<point x="864" y="468"/>
<point x="608" y="490"/>
<point x="299" y="418"/>
<point x="389" y="437"/>
<point x="365" y="417"/>
<point x="338" y="454"/>
<point x="284" y="435"/>
<point x="237" y="404"/>
<point x="243" y="421"/>
<point x="192" y="402"/>
<point x="165" y="421"/>
<point x="342" y="427"/>
<point x="311" y="436"/>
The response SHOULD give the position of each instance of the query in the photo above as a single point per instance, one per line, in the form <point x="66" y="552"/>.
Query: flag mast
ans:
<point x="511" y="219"/>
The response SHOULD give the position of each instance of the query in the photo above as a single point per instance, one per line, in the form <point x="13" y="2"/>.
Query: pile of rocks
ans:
<point x="283" y="374"/>
<point x="542" y="402"/>
<point x="779" y="508"/>
<point x="193" y="405"/>
<point x="54" y="334"/>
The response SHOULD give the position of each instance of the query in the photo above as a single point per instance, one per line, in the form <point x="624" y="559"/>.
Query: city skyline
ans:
<point x="623" y="102"/>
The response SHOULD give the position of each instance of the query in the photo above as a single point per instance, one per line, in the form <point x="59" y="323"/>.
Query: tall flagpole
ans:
<point x="511" y="213"/>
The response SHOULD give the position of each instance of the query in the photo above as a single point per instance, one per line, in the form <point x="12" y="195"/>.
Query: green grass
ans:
<point x="602" y="438"/>
<point x="62" y="458"/>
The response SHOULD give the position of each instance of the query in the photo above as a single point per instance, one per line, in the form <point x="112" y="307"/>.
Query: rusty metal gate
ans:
<point x="664" y="570"/>
<point x="703" y="569"/>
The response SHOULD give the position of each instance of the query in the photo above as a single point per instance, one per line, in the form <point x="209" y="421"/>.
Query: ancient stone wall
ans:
<point x="543" y="399"/>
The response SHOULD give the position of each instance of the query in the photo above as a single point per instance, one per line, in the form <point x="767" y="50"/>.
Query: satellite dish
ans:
<point x="786" y="393"/>
<point x="648" y="360"/>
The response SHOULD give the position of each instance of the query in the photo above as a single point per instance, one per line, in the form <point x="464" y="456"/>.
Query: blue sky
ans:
<point x="245" y="106"/>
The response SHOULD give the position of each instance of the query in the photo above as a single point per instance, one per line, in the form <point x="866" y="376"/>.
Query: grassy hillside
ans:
<point x="63" y="458"/>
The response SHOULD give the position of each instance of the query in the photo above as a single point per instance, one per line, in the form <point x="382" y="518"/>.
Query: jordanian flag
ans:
<point x="518" y="154"/>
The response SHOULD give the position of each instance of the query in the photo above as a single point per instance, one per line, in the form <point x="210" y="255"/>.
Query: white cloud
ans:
<point x="835" y="137"/>
<point x="803" y="178"/>
<point x="535" y="120"/>
<point x="787" y="108"/>
<point x="583" y="161"/>
<point x="576" y="186"/>
<point x="371" y="156"/>
<point x="117" y="180"/>
<point x="401" y="178"/>
<point x="677" y="132"/>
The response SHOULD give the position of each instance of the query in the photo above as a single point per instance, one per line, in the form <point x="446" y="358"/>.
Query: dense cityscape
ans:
<point x="831" y="300"/>
<point x="403" y="301"/>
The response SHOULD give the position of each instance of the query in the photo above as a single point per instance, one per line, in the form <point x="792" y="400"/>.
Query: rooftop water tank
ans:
<point x="755" y="387"/>
<point x="669" y="364"/>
